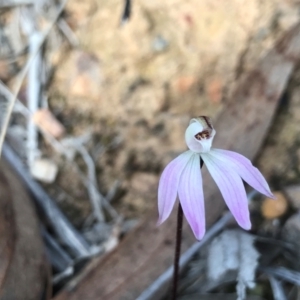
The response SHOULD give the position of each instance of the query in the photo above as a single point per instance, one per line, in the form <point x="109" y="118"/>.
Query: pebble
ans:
<point x="44" y="170"/>
<point x="272" y="209"/>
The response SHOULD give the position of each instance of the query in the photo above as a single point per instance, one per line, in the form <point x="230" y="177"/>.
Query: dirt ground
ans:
<point x="135" y="86"/>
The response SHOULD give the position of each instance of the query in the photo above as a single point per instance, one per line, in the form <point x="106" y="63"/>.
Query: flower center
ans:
<point x="203" y="135"/>
<point x="200" y="134"/>
<point x="206" y="133"/>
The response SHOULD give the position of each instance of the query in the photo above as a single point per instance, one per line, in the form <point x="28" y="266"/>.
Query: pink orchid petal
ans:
<point x="245" y="169"/>
<point x="168" y="185"/>
<point x="231" y="187"/>
<point x="191" y="197"/>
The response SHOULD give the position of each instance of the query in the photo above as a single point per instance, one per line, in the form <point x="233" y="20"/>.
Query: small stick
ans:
<point x="58" y="257"/>
<point x="33" y="97"/>
<point x="10" y="3"/>
<point x="19" y="106"/>
<point x="283" y="273"/>
<point x="278" y="291"/>
<point x="127" y="12"/>
<point x="113" y="190"/>
<point x="67" y="31"/>
<point x="95" y="197"/>
<point x="177" y="250"/>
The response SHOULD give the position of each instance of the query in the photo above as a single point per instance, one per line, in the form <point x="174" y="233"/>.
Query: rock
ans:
<point x="293" y="195"/>
<point x="272" y="209"/>
<point x="44" y="170"/>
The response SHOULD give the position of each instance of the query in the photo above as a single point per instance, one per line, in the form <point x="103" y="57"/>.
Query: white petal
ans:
<point x="231" y="187"/>
<point x="168" y="185"/>
<point x="191" y="197"/>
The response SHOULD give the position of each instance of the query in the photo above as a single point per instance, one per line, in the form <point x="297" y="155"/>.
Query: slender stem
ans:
<point x="177" y="251"/>
<point x="178" y="247"/>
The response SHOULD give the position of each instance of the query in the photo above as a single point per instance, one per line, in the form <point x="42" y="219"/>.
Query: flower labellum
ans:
<point x="182" y="176"/>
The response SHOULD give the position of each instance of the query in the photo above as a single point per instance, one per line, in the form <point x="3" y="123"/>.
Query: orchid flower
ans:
<point x="182" y="176"/>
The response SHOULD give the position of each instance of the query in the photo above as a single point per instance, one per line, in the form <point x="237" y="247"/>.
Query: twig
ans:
<point x="19" y="106"/>
<point x="10" y="3"/>
<point x="101" y="149"/>
<point x="36" y="79"/>
<point x="157" y="287"/>
<point x="58" y="257"/>
<point x="68" y="32"/>
<point x="127" y="12"/>
<point x="23" y="73"/>
<point x="15" y="35"/>
<point x="113" y="190"/>
<point x="106" y="203"/>
<point x="33" y="97"/>
<point x="283" y="273"/>
<point x="65" y="274"/>
<point x="90" y="182"/>
<point x="96" y="199"/>
<point x="277" y="288"/>
<point x="63" y="229"/>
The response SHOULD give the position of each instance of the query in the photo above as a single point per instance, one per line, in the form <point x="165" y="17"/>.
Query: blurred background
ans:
<point x="95" y="97"/>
